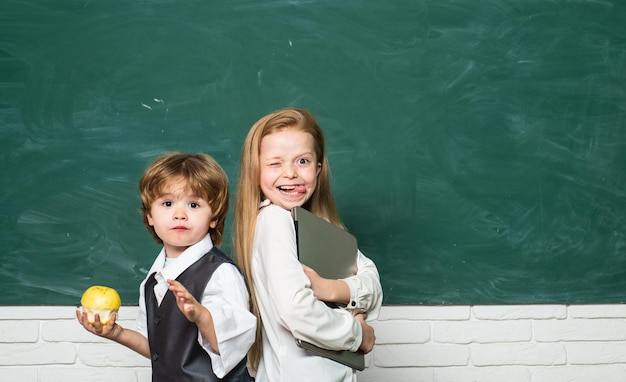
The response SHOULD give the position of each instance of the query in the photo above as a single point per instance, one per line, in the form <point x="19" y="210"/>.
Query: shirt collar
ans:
<point x="188" y="257"/>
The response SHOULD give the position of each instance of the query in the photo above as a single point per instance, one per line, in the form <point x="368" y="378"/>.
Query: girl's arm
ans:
<point x="338" y="292"/>
<point x="328" y="290"/>
<point x="359" y="293"/>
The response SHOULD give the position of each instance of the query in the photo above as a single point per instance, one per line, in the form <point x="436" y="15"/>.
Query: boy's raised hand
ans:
<point x="195" y="312"/>
<point x="187" y="304"/>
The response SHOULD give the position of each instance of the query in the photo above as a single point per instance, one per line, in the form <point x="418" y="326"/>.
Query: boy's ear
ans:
<point x="213" y="223"/>
<point x="150" y="221"/>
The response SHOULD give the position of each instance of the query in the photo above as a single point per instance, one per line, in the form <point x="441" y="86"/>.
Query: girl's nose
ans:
<point x="290" y="171"/>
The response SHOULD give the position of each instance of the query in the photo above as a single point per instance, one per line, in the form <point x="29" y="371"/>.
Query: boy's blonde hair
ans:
<point x="248" y="195"/>
<point x="204" y="177"/>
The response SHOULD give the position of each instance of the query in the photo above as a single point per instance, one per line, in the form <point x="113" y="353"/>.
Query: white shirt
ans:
<point x="289" y="309"/>
<point x="225" y="296"/>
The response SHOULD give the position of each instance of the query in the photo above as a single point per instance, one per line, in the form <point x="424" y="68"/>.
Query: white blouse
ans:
<point x="225" y="296"/>
<point x="290" y="311"/>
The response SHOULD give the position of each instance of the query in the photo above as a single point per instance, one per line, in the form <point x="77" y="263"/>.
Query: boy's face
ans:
<point x="180" y="218"/>
<point x="289" y="167"/>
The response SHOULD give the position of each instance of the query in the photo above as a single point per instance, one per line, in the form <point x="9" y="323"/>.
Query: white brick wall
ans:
<point x="525" y="343"/>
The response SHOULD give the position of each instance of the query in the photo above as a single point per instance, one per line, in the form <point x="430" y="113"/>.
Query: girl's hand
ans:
<point x="369" y="338"/>
<point x="187" y="304"/>
<point x="327" y="290"/>
<point x="322" y="288"/>
<point x="318" y="283"/>
<point x="110" y="331"/>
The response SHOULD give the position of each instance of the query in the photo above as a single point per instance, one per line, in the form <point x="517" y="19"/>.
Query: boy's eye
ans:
<point x="194" y="205"/>
<point x="167" y="203"/>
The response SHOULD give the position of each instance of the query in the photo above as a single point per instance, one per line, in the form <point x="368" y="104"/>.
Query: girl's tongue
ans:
<point x="293" y="189"/>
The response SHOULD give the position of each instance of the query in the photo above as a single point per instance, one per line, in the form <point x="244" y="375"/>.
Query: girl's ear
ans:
<point x="319" y="168"/>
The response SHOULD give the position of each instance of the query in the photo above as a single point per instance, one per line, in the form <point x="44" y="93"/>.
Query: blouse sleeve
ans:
<point x="365" y="290"/>
<point x="293" y="301"/>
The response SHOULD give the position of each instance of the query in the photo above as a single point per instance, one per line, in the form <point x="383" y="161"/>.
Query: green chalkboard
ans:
<point x="478" y="148"/>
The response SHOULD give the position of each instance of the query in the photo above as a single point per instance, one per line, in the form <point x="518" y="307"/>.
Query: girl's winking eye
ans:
<point x="273" y="163"/>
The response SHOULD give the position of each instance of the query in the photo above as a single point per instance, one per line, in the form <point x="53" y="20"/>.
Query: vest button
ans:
<point x="155" y="356"/>
<point x="157" y="319"/>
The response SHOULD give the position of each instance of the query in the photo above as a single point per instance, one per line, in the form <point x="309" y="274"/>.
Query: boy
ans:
<point x="193" y="322"/>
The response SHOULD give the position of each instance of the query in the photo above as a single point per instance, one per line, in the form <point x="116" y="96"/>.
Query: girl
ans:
<point x="284" y="165"/>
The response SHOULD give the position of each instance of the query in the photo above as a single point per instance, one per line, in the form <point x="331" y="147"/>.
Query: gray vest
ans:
<point x="175" y="353"/>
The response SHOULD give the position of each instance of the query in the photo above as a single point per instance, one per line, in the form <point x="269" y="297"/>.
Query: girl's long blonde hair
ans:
<point x="248" y="195"/>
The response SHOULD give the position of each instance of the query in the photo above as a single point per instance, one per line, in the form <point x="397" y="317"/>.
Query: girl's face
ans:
<point x="289" y="167"/>
<point x="180" y="218"/>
